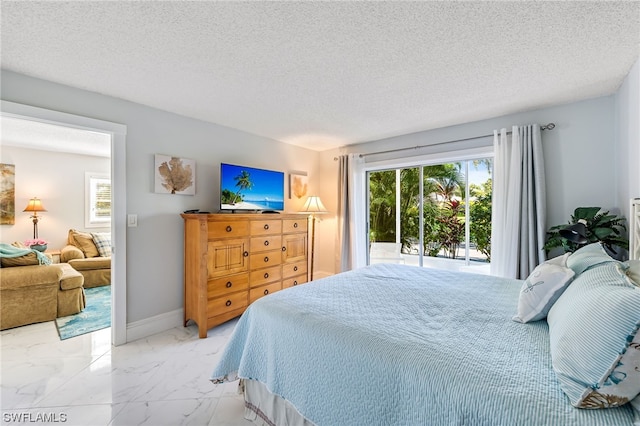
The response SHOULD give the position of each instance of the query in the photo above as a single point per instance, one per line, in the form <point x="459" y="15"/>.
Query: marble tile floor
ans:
<point x="159" y="380"/>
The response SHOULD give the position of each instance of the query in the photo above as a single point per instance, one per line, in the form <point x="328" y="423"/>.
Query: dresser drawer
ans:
<point x="297" y="268"/>
<point x="257" y="293"/>
<point x="294" y="281"/>
<point x="265" y="259"/>
<point x="268" y="242"/>
<point x="263" y="276"/>
<point x="230" y="302"/>
<point x="221" y="286"/>
<point x="224" y="229"/>
<point x="294" y="225"/>
<point x="266" y="227"/>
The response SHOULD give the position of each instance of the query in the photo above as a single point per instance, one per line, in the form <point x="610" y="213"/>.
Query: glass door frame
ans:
<point x="420" y="162"/>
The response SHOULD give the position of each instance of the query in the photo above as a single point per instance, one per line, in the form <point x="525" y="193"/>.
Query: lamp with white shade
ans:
<point x="312" y="207"/>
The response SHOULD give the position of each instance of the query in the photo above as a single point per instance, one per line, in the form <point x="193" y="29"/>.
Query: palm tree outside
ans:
<point x="443" y="205"/>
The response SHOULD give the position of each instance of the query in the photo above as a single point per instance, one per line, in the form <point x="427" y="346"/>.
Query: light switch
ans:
<point x="132" y="220"/>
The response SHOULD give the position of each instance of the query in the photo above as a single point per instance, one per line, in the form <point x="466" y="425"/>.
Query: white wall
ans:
<point x="155" y="247"/>
<point x="58" y="179"/>
<point x="579" y="153"/>
<point x="627" y="107"/>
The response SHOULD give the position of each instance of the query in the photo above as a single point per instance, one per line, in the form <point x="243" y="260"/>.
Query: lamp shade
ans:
<point x="313" y="205"/>
<point x="576" y="233"/>
<point x="35" y="205"/>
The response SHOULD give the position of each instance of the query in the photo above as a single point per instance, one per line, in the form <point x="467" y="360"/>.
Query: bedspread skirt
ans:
<point x="403" y="345"/>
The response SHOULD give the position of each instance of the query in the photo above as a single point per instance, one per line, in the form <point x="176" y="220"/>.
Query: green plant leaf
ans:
<point x="603" y="233"/>
<point x="586" y="213"/>
<point x="601" y="226"/>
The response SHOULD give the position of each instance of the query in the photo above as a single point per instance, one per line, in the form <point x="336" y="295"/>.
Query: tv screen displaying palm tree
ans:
<point x="248" y="188"/>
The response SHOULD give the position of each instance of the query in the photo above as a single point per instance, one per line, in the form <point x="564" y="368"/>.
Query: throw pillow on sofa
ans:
<point x="103" y="243"/>
<point x="84" y="241"/>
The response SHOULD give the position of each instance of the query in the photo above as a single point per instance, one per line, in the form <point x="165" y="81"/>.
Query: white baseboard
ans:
<point x="157" y="324"/>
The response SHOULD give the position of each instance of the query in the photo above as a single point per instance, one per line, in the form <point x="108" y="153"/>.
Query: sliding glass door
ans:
<point x="436" y="215"/>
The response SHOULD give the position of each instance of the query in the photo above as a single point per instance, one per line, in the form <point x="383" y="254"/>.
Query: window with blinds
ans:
<point x="98" y="197"/>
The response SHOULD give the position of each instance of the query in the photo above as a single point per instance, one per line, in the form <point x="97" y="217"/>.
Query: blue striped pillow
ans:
<point x="595" y="344"/>
<point x="588" y="256"/>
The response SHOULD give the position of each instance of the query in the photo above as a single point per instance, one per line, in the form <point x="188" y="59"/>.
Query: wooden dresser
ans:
<point x="231" y="260"/>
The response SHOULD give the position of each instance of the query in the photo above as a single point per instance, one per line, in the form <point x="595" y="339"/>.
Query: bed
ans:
<point x="401" y="345"/>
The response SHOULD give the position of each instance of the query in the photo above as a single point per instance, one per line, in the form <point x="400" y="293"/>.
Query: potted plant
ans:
<point x="599" y="225"/>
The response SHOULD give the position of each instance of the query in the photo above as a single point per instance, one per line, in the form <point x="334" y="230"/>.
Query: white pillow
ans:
<point x="633" y="272"/>
<point x="560" y="260"/>
<point x="542" y="288"/>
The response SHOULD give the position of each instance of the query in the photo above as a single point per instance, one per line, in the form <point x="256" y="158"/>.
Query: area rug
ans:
<point x="95" y="316"/>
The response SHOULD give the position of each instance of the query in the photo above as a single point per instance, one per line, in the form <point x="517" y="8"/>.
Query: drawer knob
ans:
<point x="266" y="275"/>
<point x="228" y="303"/>
<point x="266" y="259"/>
<point x="284" y="249"/>
<point x="266" y="242"/>
<point x="295" y="283"/>
<point x="266" y="292"/>
<point x="295" y="269"/>
<point x="295" y="225"/>
<point x="245" y="254"/>
<point x="229" y="228"/>
<point x="266" y="226"/>
<point x="229" y="284"/>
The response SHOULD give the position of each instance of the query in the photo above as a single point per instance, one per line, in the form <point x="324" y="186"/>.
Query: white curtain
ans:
<point x="519" y="202"/>
<point x="352" y="220"/>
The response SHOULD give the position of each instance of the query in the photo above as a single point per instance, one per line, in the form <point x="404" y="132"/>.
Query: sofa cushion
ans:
<point x="84" y="241"/>
<point x="91" y="263"/>
<point x="70" y="252"/>
<point x="30" y="276"/>
<point x="26" y="260"/>
<point x="70" y="278"/>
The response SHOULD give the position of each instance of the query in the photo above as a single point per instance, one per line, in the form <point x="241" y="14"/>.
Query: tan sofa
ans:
<point x="37" y="293"/>
<point x="83" y="255"/>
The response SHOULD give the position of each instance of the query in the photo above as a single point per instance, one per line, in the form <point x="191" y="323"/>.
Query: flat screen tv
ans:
<point x="249" y="189"/>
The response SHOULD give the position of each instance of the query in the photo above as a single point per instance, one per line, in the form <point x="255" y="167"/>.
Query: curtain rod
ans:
<point x="549" y="126"/>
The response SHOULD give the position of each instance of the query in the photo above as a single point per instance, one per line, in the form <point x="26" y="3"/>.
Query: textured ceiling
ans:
<point x="326" y="74"/>
<point x="50" y="137"/>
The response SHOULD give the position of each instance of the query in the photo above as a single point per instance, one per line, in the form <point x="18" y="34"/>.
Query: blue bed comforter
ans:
<point x="402" y="345"/>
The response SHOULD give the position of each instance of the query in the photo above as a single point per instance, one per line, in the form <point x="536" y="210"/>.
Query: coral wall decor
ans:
<point x="298" y="184"/>
<point x="174" y="175"/>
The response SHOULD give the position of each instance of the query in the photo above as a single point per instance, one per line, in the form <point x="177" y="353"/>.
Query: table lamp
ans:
<point x="35" y="206"/>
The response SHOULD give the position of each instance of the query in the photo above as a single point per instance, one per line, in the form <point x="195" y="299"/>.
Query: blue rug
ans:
<point x="95" y="316"/>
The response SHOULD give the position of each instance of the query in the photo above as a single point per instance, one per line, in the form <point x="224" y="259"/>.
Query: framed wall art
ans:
<point x="298" y="184"/>
<point x="7" y="194"/>
<point x="175" y="175"/>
